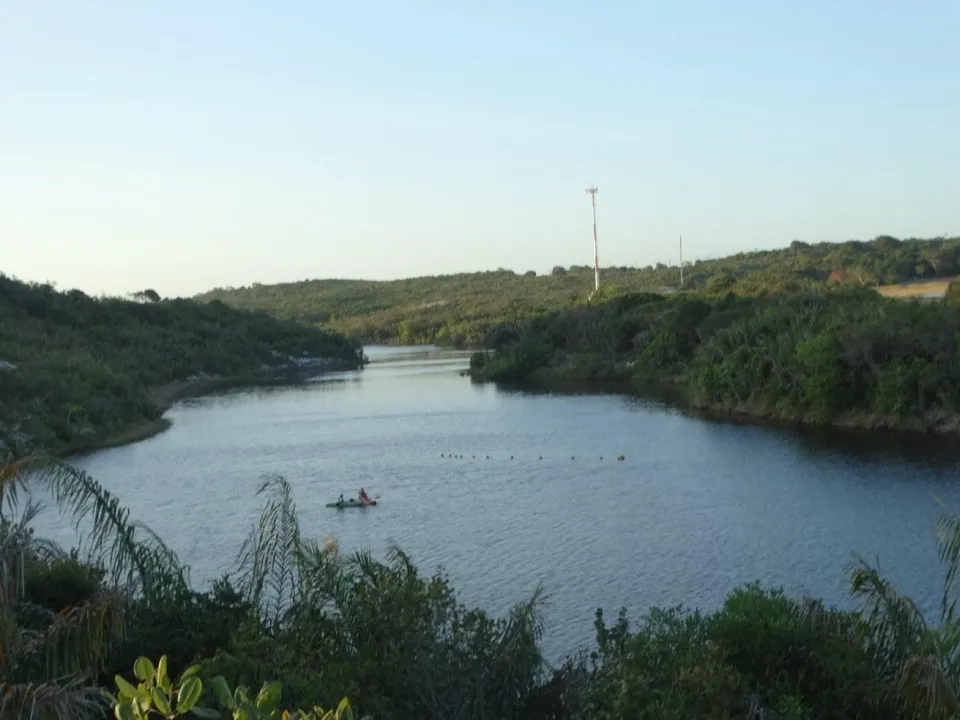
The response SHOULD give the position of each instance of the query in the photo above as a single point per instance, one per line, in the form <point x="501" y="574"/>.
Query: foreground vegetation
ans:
<point x="298" y="624"/>
<point x="77" y="372"/>
<point x="458" y="309"/>
<point x="846" y="357"/>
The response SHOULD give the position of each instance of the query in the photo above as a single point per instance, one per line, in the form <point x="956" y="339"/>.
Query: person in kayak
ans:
<point x="363" y="497"/>
<point x="340" y="499"/>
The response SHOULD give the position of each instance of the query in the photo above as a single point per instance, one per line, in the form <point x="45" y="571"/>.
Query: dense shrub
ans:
<point x="760" y="650"/>
<point x="811" y="356"/>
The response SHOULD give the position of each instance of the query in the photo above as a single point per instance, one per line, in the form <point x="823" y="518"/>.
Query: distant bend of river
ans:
<point x="695" y="509"/>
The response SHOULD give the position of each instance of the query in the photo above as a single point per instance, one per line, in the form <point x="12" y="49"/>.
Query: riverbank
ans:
<point x="620" y="377"/>
<point x="930" y="423"/>
<point x="166" y="396"/>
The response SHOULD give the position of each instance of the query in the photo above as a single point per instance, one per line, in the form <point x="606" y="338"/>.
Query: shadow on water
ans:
<point x="868" y="446"/>
<point x="931" y="451"/>
<point x="880" y="446"/>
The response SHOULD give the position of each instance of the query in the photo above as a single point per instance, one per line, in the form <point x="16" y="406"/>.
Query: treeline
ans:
<point x="847" y="356"/>
<point x="74" y="370"/>
<point x="400" y="644"/>
<point x="457" y="309"/>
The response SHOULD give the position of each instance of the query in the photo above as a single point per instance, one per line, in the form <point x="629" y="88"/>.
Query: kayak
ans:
<point x="351" y="504"/>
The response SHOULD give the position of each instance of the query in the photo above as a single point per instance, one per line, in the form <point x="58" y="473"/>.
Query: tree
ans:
<point x="886" y="243"/>
<point x="147" y="295"/>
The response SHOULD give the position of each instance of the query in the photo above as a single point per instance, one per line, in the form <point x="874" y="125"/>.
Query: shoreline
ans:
<point x="677" y="393"/>
<point x="936" y="423"/>
<point x="166" y="396"/>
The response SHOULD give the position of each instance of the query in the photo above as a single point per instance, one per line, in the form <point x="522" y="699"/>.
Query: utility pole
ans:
<point x="592" y="191"/>
<point x="681" y="260"/>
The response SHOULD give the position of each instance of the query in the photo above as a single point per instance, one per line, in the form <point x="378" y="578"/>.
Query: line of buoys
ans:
<point x="620" y="458"/>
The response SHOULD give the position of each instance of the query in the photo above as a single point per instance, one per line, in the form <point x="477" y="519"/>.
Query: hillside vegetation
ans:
<point x="75" y="371"/>
<point x="458" y="309"/>
<point x="846" y="357"/>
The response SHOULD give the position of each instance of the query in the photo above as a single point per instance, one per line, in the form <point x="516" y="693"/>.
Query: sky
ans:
<point x="182" y="145"/>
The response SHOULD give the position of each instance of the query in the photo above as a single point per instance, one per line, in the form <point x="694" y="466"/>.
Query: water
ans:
<point x="695" y="509"/>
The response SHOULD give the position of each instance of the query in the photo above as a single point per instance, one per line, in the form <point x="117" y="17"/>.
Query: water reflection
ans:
<point x="915" y="448"/>
<point x="936" y="451"/>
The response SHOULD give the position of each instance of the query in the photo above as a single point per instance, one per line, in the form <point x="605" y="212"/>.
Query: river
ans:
<point x="506" y="490"/>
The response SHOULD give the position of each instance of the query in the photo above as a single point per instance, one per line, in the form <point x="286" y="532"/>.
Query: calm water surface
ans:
<point x="695" y="509"/>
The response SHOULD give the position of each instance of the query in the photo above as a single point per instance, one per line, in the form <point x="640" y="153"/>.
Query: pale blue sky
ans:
<point x="184" y="145"/>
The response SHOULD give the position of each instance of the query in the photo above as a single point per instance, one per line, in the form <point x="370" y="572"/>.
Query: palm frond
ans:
<point x="142" y="561"/>
<point x="948" y="649"/>
<point x="895" y="621"/>
<point x="368" y="569"/>
<point x="63" y="700"/>
<point x="927" y="689"/>
<point x="16" y="539"/>
<point x="948" y="542"/>
<point x="11" y="639"/>
<point x="268" y="562"/>
<point x="12" y="482"/>
<point x="400" y="561"/>
<point x="325" y="584"/>
<point x="78" y="640"/>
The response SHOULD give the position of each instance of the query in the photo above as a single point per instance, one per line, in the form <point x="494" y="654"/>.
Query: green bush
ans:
<point x="55" y="583"/>
<point x="205" y="622"/>
<point x="521" y="359"/>
<point x="760" y="650"/>
<point x="667" y="668"/>
<point x="786" y="648"/>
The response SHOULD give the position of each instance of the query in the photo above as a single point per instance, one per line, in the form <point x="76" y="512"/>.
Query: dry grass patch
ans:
<point x="920" y="288"/>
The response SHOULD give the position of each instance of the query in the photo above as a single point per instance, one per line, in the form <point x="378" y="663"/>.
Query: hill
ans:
<point x="458" y="309"/>
<point x="75" y="371"/>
